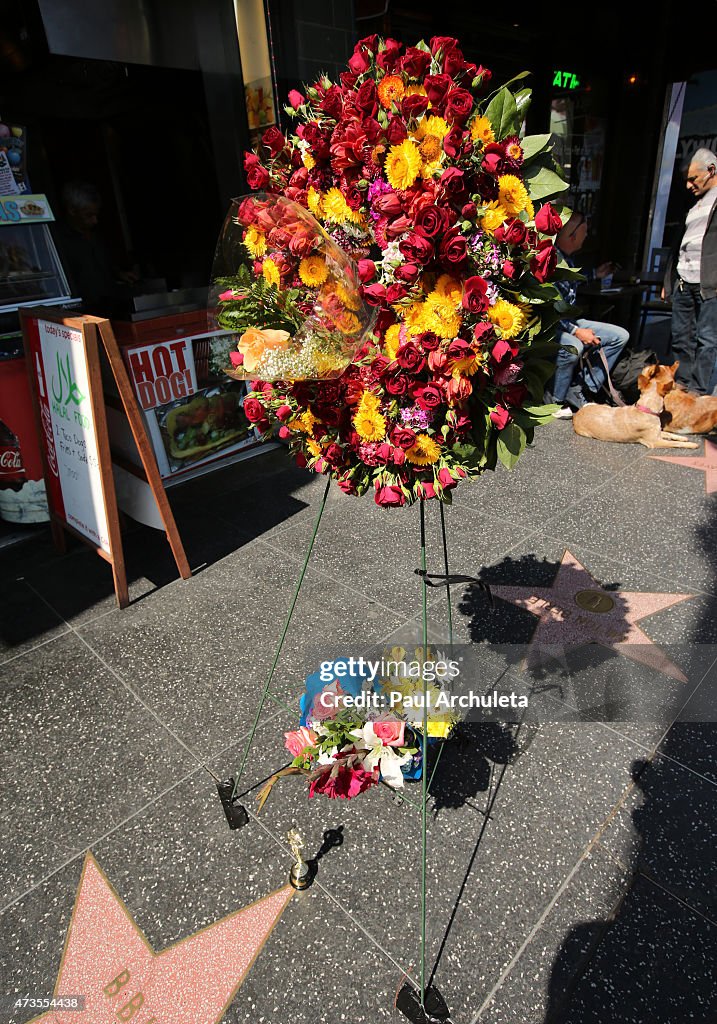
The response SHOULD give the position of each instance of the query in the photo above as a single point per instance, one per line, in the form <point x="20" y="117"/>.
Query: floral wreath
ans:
<point x="430" y="189"/>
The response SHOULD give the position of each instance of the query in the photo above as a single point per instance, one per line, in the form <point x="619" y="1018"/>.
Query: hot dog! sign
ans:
<point x="162" y="373"/>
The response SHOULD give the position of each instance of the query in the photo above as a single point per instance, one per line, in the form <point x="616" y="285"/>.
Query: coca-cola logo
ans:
<point x="10" y="462"/>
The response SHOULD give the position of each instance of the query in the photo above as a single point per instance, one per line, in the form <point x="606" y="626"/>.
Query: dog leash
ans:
<point x="643" y="408"/>
<point x="586" y="367"/>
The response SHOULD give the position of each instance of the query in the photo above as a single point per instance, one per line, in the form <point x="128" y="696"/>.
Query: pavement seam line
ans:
<point x="123" y="682"/>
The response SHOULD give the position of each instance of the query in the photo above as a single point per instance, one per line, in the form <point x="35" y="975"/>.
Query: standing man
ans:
<point x="574" y="336"/>
<point x="691" y="280"/>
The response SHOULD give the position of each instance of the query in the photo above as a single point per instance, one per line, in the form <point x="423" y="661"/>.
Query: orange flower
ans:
<point x="391" y="89"/>
<point x="254" y="343"/>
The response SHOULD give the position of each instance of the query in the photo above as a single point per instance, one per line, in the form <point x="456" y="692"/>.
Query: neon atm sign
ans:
<point x="565" y="80"/>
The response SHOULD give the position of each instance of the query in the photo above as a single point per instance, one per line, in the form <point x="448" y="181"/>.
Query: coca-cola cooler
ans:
<point x="22" y="487"/>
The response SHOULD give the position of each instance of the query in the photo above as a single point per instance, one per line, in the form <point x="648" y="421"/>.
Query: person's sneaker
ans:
<point x="563" y="413"/>
<point x="575" y="398"/>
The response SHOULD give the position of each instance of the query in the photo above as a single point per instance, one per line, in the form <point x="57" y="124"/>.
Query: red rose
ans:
<point x="453" y="62"/>
<point x="483" y="333"/>
<point x="442" y="43"/>
<point x="493" y="158"/>
<point x="366" y="98"/>
<point x="453" y="184"/>
<point x="334" y="455"/>
<point x="396" y="131"/>
<point x="430" y="221"/>
<point x="500" y="416"/>
<point x="374" y="294"/>
<point x="437" y="361"/>
<point x="415" y="62"/>
<point x="346" y="485"/>
<point x="388" y="58"/>
<point x="283" y="413"/>
<point x="388" y="205"/>
<point x="428" y="397"/>
<point x="544" y="262"/>
<point x="366" y="271"/>
<point x="483" y="75"/>
<point x="358" y="63"/>
<point x="425" y="489"/>
<point x="408" y="273"/>
<point x="459" y="348"/>
<point x="369" y="44"/>
<point x="458" y="106"/>
<point x="413" y="106"/>
<point x="395" y="292"/>
<point x="515" y="394"/>
<point x="397" y="227"/>
<point x="547" y="220"/>
<point x="508" y="269"/>
<point x="296" y="99"/>
<point x="453" y="248"/>
<point x="437" y="87"/>
<point x="416" y="249"/>
<point x="333" y="103"/>
<point x="455" y="141"/>
<point x="254" y="410"/>
<point x="396" y="385"/>
<point x="284" y="433"/>
<point x="274" y="140"/>
<point x="410" y="358"/>
<point x="428" y="341"/>
<point x="445" y="479"/>
<point x="300" y="460"/>
<point x="469" y="211"/>
<point x="389" y="495"/>
<point x="256" y="175"/>
<point x="475" y="292"/>
<point x="348" y="81"/>
<point x="512" y="232"/>
<point x="502" y="350"/>
<point x="403" y="438"/>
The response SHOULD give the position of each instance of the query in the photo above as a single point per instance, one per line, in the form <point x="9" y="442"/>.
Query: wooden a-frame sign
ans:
<point x="63" y="360"/>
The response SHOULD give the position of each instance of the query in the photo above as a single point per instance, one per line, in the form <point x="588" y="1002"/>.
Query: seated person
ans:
<point x="574" y="336"/>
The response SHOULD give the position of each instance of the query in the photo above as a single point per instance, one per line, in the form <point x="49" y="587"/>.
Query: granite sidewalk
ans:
<point x="571" y="854"/>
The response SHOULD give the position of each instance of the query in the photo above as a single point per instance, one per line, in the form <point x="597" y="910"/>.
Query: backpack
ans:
<point x="628" y="368"/>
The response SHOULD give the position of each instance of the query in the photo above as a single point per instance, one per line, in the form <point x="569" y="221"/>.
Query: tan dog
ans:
<point x="687" y="413"/>
<point x="634" y="424"/>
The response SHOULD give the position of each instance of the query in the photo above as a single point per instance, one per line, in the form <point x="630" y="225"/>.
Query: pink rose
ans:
<point x="296" y="99"/>
<point x="390" y="731"/>
<point x="254" y="410"/>
<point x="500" y="416"/>
<point x="366" y="271"/>
<point x="445" y="479"/>
<point x="283" y="413"/>
<point x="342" y="783"/>
<point x="296" y="742"/>
<point x="425" y="490"/>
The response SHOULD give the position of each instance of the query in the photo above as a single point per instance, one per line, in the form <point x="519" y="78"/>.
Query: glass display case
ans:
<point x="30" y="268"/>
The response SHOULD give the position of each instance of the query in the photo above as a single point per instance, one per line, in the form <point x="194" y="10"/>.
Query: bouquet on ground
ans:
<point x="347" y="742"/>
<point x="415" y="170"/>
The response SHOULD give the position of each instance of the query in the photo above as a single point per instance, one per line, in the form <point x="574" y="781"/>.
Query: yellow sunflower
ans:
<point x="314" y="447"/>
<point x="512" y="194"/>
<point x="450" y="289"/>
<point x="391" y="90"/>
<point x="255" y="241"/>
<point x="508" y="317"/>
<point x="403" y="165"/>
<point x="370" y="425"/>
<point x="271" y="272"/>
<point x="348" y="323"/>
<point x="313" y="271"/>
<point x="350" y="299"/>
<point x="493" y="216"/>
<point x="314" y="200"/>
<point x="308" y="160"/>
<point x="424" y="452"/>
<point x="432" y="125"/>
<point x="482" y="131"/>
<point x="440" y="316"/>
<point x="391" y="341"/>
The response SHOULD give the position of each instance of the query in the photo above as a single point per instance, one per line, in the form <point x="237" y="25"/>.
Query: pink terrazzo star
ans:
<point x="706" y="462"/>
<point x="576" y="610"/>
<point x="108" y="960"/>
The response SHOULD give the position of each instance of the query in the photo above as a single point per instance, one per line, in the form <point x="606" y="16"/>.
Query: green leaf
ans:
<point x="503" y="114"/>
<point x="522" y="102"/>
<point x="542" y="183"/>
<point x="534" y="144"/>
<point x="511" y="444"/>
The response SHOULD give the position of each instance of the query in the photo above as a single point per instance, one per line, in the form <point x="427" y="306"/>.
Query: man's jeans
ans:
<point x="694" y="337"/>
<point x="612" y="341"/>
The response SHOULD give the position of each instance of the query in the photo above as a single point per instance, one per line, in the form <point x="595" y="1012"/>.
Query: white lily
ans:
<point x="388" y="761"/>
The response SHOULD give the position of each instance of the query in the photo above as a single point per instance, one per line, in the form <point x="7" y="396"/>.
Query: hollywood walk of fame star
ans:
<point x="108" y="960"/>
<point x="706" y="462"/>
<point x="577" y="610"/>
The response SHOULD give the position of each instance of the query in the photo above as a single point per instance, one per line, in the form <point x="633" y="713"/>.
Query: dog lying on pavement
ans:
<point x="634" y="424"/>
<point x="687" y="413"/>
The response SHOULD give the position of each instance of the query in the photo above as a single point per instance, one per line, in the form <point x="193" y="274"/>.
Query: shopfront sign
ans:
<point x="162" y="373"/>
<point x="25" y="209"/>
<point x="565" y="80"/>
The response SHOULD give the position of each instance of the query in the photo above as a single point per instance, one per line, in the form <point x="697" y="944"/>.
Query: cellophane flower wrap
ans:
<point x="418" y="172"/>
